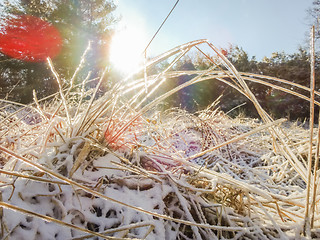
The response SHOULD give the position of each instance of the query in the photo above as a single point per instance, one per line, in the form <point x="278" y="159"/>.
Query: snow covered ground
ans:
<point x="116" y="167"/>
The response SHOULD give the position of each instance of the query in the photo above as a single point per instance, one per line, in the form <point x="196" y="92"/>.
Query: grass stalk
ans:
<point x="316" y="162"/>
<point x="62" y="95"/>
<point x="307" y="223"/>
<point x="235" y="139"/>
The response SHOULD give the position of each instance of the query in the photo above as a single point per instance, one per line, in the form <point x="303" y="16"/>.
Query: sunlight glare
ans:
<point x="126" y="49"/>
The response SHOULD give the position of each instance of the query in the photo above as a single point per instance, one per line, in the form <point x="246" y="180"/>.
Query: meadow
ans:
<point x="76" y="165"/>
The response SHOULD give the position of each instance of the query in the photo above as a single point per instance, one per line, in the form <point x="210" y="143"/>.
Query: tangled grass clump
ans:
<point x="116" y="168"/>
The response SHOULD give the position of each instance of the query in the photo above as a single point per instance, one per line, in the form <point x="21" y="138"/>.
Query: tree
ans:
<point x="240" y="59"/>
<point x="293" y="67"/>
<point x="79" y="21"/>
<point x="314" y="15"/>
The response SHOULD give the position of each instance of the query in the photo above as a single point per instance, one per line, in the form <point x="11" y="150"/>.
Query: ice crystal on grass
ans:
<point x="115" y="167"/>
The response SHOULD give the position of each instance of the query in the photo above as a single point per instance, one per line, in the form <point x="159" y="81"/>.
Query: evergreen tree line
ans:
<point x="293" y="67"/>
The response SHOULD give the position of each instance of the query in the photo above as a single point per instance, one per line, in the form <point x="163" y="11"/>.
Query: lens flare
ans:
<point x="126" y="49"/>
<point x="30" y="39"/>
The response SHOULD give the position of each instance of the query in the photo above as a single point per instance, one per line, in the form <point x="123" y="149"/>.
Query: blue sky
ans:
<point x="260" y="27"/>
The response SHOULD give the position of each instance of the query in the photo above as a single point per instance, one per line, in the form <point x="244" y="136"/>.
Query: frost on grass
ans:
<point x="116" y="167"/>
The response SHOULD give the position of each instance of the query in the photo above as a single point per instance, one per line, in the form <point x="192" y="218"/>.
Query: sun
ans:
<point x="126" y="50"/>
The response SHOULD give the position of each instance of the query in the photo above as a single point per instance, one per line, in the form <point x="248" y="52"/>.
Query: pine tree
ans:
<point x="78" y="21"/>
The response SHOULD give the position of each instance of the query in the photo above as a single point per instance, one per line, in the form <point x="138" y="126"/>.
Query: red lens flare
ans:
<point x="30" y="39"/>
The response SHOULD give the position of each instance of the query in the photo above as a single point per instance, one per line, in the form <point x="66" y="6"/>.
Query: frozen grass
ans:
<point x="117" y="167"/>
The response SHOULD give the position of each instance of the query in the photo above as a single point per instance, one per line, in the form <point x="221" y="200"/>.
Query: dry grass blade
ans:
<point x="85" y="118"/>
<point x="307" y="223"/>
<point x="81" y="157"/>
<point x="235" y="139"/>
<point x="34" y="178"/>
<point x="315" y="176"/>
<point x="120" y="229"/>
<point x="64" y="101"/>
<point x="1" y="219"/>
<point x="122" y="167"/>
